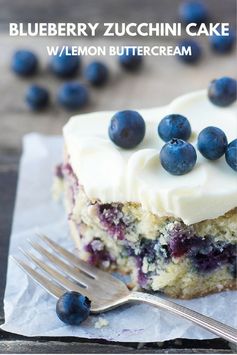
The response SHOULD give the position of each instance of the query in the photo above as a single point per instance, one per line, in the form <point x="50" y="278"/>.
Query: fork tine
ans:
<point x="81" y="264"/>
<point x="71" y="270"/>
<point x="92" y="271"/>
<point x="62" y="280"/>
<point x="44" y="282"/>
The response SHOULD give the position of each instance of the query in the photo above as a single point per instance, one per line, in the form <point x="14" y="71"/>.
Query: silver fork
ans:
<point x="64" y="271"/>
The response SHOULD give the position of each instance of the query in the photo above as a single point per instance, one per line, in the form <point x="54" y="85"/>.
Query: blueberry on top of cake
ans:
<point x="128" y="208"/>
<point x="111" y="174"/>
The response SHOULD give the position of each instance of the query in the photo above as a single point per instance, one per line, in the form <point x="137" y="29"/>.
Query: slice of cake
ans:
<point x="174" y="234"/>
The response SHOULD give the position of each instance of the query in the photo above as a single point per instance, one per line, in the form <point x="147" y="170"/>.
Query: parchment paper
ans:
<point x="30" y="311"/>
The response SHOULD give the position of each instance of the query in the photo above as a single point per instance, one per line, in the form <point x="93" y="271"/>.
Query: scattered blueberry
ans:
<point x="212" y="142"/>
<point x="178" y="157"/>
<point x="223" y="44"/>
<point x="174" y="126"/>
<point x="97" y="73"/>
<point x="65" y="66"/>
<point x="73" y="308"/>
<point x="193" y="11"/>
<point x="37" y="97"/>
<point x="127" y="129"/>
<point x="73" y="95"/>
<point x="131" y="60"/>
<point x="231" y="155"/>
<point x="196" y="51"/>
<point x="222" y="91"/>
<point x="24" y="63"/>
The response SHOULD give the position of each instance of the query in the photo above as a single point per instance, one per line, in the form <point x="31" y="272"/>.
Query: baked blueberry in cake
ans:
<point x="158" y="210"/>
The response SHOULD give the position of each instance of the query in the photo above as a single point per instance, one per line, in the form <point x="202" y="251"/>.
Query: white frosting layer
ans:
<point x="111" y="174"/>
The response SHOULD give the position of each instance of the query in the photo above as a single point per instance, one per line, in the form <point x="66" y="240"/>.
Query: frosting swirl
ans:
<point x="112" y="174"/>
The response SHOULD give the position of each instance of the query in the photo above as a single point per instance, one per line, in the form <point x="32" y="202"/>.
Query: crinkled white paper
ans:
<point x="30" y="311"/>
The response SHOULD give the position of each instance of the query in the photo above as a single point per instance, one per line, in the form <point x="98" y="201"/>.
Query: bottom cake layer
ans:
<point x="161" y="253"/>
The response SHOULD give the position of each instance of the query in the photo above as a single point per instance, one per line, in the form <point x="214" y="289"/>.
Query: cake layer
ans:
<point x="110" y="174"/>
<point x="161" y="253"/>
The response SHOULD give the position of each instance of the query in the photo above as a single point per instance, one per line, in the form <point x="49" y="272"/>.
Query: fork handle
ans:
<point x="218" y="328"/>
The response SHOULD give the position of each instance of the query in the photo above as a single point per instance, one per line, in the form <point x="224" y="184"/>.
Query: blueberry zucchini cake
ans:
<point x="153" y="193"/>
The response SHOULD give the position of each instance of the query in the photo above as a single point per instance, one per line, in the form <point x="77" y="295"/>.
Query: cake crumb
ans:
<point x="101" y="322"/>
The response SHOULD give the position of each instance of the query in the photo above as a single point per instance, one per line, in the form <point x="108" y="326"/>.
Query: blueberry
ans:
<point x="130" y="60"/>
<point x="233" y="144"/>
<point x="97" y="73"/>
<point x="193" y="11"/>
<point x="222" y="91"/>
<point x="111" y="217"/>
<point x="127" y="129"/>
<point x="73" y="308"/>
<point x="211" y="255"/>
<point x="66" y="65"/>
<point x="223" y="44"/>
<point x="182" y="239"/>
<point x="231" y="155"/>
<point x="73" y="95"/>
<point x="212" y="142"/>
<point x="24" y="63"/>
<point x="148" y="250"/>
<point x="37" y="97"/>
<point x="178" y="157"/>
<point x="174" y="126"/>
<point x="196" y="51"/>
<point x="205" y="253"/>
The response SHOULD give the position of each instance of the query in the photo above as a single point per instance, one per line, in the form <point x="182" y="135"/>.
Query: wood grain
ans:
<point x="157" y="83"/>
<point x="161" y="79"/>
<point x="10" y="343"/>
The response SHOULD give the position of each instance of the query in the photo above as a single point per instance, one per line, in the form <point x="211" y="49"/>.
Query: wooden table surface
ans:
<point x="160" y="80"/>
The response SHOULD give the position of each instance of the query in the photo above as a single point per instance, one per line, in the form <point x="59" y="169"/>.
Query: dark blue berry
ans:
<point x="223" y="91"/>
<point x="233" y="144"/>
<point x="205" y="253"/>
<point x="174" y="126"/>
<point x="148" y="250"/>
<point x="127" y="129"/>
<point x="182" y="240"/>
<point x="73" y="308"/>
<point x="24" y="63"/>
<point x="178" y="157"/>
<point x="97" y="73"/>
<point x="111" y="217"/>
<point x="210" y="255"/>
<point x="66" y="65"/>
<point x="212" y="143"/>
<point x="196" y="51"/>
<point x="130" y="60"/>
<point x="37" y="97"/>
<point x="73" y="95"/>
<point x="223" y="44"/>
<point x="193" y="11"/>
<point x="231" y="155"/>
